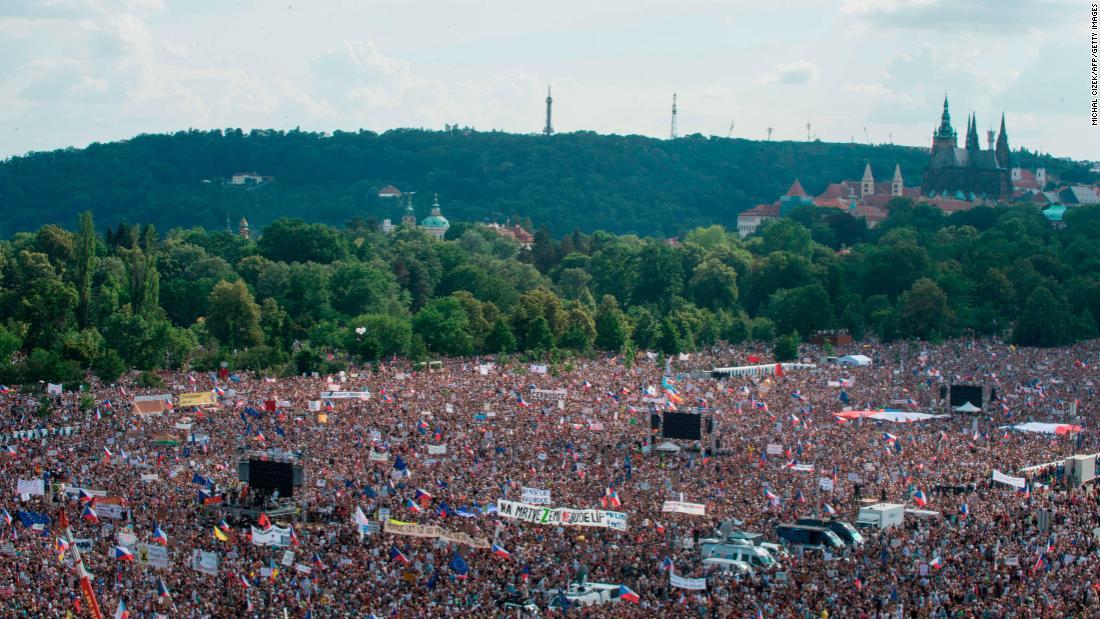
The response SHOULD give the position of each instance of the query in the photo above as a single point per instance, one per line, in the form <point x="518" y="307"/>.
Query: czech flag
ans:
<point x="162" y="590"/>
<point x="919" y="498"/>
<point x="122" y="554"/>
<point x="964" y="510"/>
<point x="5" y="389"/>
<point x="159" y="536"/>
<point x="6" y="517"/>
<point x="422" y="495"/>
<point x="829" y="511"/>
<point x="107" y="453"/>
<point x="397" y="555"/>
<point x="89" y="514"/>
<point x="666" y="564"/>
<point x="520" y="401"/>
<point x="771" y="497"/>
<point x="611" y="498"/>
<point x="660" y="527"/>
<point x="61" y="546"/>
<point x="218" y="391"/>
<point x="585" y="385"/>
<point x="627" y="594"/>
<point x="11" y="450"/>
<point x="411" y="504"/>
<point x="84" y="496"/>
<point x="317" y="561"/>
<point x="1025" y="491"/>
<point x="936" y="563"/>
<point x="501" y="552"/>
<point x="244" y="581"/>
<point x="889" y="438"/>
<point x="121" y="612"/>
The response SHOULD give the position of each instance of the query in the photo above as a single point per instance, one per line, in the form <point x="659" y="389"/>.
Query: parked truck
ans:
<point x="881" y="516"/>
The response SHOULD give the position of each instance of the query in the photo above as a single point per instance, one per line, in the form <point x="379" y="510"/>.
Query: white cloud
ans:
<point x="799" y="72"/>
<point x="968" y="16"/>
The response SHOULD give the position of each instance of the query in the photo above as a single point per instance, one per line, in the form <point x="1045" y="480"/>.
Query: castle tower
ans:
<point x="945" y="136"/>
<point x="549" y="129"/>
<point x="867" y="185"/>
<point x="1002" y="152"/>
<point x="896" y="186"/>
<point x="409" y="218"/>
<point x="242" y="229"/>
<point x="990" y="138"/>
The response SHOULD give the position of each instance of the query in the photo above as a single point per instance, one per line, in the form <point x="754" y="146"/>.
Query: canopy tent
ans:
<point x="887" y="415"/>
<point x="859" y="360"/>
<point x="668" y="446"/>
<point x="760" y="370"/>
<point x="967" y="407"/>
<point x="1044" y="428"/>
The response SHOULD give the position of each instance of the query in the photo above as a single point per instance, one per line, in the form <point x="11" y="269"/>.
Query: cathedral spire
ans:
<point x="945" y="130"/>
<point x="1002" y="151"/>
<point x="972" y="142"/>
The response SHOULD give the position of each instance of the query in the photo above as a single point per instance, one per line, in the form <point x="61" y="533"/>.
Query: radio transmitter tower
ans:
<point x="673" y="132"/>
<point x="549" y="102"/>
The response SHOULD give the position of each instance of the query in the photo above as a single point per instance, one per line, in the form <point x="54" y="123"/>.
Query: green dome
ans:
<point x="435" y="221"/>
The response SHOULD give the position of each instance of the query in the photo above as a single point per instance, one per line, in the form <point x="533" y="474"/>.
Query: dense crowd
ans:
<point x="1005" y="554"/>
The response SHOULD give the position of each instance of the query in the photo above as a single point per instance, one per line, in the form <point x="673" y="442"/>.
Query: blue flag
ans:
<point x="32" y="518"/>
<point x="458" y="564"/>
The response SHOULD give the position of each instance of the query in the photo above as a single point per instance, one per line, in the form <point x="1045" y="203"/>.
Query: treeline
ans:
<point x="622" y="184"/>
<point x="129" y="299"/>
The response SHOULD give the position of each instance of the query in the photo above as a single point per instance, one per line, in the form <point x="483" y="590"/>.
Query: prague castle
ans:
<point x="967" y="173"/>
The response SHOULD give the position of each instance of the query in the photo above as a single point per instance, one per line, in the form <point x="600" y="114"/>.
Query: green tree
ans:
<point x="923" y="311"/>
<point x="611" y="331"/>
<point x="580" y="330"/>
<point x="714" y="285"/>
<point x="539" y="337"/>
<point x="85" y="268"/>
<point x="805" y="309"/>
<point x="1044" y="321"/>
<point x="500" y="339"/>
<point x="444" y="327"/>
<point x="233" y="316"/>
<point x="786" y="347"/>
<point x="668" y="341"/>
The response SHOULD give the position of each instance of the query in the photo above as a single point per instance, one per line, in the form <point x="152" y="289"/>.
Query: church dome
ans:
<point x="436" y="219"/>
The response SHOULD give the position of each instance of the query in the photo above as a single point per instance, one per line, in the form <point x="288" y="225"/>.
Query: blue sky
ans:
<point x="80" y="71"/>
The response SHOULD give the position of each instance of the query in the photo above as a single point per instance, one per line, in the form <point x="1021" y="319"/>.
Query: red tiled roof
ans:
<point x="796" y="190"/>
<point x="837" y="190"/>
<point x="762" y="210"/>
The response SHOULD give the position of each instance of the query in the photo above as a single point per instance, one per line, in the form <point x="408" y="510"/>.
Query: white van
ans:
<point x="733" y="567"/>
<point x="755" y="556"/>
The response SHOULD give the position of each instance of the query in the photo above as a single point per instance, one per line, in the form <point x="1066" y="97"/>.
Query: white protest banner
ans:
<point x="826" y="483"/>
<point x="538" y="369"/>
<point x="549" y="394"/>
<point x="274" y="536"/>
<point x="345" y="395"/>
<point x="483" y="370"/>
<point x="535" y="496"/>
<point x="110" y="510"/>
<point x="680" y="507"/>
<point x="437" y="450"/>
<point x="205" y="562"/>
<point x="1012" y="561"/>
<point x="378" y="456"/>
<point x="152" y="555"/>
<point x="412" y="529"/>
<point x="302" y="569"/>
<point x="695" y="584"/>
<point x="853" y="477"/>
<point x="288" y="558"/>
<point x="1017" y="482"/>
<point x="31" y="486"/>
<point x="52" y="389"/>
<point x="314" y="406"/>
<point x="182" y="426"/>
<point x="775" y="449"/>
<point x="150" y="477"/>
<point x="164" y="397"/>
<point x="129" y="540"/>
<point x="805" y="468"/>
<point x="83" y="545"/>
<point x="449" y="408"/>
<point x="562" y="516"/>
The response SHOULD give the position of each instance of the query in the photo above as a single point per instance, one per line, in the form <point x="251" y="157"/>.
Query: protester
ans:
<point x="1007" y="553"/>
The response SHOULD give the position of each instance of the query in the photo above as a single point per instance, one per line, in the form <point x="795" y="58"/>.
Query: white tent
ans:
<point x="668" y="446"/>
<point x="967" y="407"/>
<point x="859" y="360"/>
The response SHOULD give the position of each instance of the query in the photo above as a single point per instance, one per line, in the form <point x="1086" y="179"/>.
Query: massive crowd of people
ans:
<point x="991" y="551"/>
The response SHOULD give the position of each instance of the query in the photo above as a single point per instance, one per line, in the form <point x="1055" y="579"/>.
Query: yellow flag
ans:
<point x="220" y="536"/>
<point x="400" y="523"/>
<point x="322" y="418"/>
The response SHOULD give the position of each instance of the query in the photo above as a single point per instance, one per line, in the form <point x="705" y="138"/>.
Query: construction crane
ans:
<point x="730" y="134"/>
<point x="867" y="135"/>
<point x="769" y="134"/>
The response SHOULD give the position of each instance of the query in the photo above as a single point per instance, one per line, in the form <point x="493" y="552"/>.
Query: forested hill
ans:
<point x="622" y="184"/>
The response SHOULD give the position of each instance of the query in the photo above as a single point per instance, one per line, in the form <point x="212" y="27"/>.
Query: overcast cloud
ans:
<point x="79" y="71"/>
